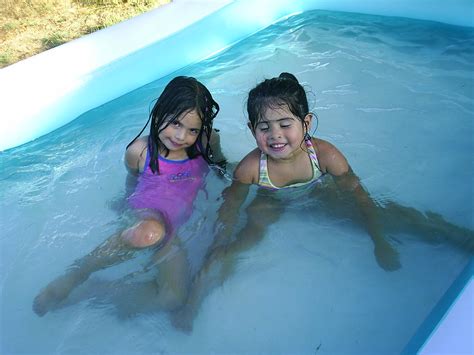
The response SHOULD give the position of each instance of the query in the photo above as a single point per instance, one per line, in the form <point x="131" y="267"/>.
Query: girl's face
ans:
<point x="181" y="134"/>
<point x="280" y="134"/>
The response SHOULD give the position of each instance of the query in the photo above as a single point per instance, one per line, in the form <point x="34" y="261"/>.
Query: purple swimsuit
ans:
<point x="172" y="191"/>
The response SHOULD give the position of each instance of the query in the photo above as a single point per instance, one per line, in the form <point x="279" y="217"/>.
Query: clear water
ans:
<point x="395" y="95"/>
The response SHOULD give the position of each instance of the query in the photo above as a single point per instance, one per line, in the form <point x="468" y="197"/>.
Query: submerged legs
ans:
<point x="429" y="226"/>
<point x="116" y="249"/>
<point x="222" y="259"/>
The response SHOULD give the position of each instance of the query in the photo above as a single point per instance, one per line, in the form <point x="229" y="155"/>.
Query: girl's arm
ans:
<point x="135" y="156"/>
<point x="332" y="161"/>
<point x="227" y="215"/>
<point x="234" y="196"/>
<point x="217" y="154"/>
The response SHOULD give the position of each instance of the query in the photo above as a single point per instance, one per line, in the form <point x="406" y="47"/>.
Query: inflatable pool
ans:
<point x="52" y="89"/>
<point x="42" y="93"/>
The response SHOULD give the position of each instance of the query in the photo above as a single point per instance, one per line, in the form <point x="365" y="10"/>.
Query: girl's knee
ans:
<point x="145" y="234"/>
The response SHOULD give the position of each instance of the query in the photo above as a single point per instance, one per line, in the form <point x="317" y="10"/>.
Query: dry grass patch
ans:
<point x="28" y="27"/>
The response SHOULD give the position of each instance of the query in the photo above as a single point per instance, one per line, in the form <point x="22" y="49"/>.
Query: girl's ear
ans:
<point x="307" y="122"/>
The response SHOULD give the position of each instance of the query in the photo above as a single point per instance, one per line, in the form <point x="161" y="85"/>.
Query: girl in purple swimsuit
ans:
<point x="171" y="163"/>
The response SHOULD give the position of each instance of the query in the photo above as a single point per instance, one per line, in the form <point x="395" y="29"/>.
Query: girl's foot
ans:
<point x="387" y="256"/>
<point x="56" y="292"/>
<point x="182" y="319"/>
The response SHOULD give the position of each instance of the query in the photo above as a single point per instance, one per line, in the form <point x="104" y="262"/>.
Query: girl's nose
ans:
<point x="180" y="134"/>
<point x="276" y="133"/>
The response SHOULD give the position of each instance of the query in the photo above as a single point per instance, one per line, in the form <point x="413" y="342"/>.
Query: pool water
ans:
<point x="395" y="95"/>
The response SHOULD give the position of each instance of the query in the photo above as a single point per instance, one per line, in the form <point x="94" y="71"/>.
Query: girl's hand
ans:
<point x="385" y="254"/>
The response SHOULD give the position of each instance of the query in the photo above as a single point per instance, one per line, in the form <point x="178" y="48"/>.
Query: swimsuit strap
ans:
<point x="264" y="178"/>
<point x="314" y="158"/>
<point x="147" y="160"/>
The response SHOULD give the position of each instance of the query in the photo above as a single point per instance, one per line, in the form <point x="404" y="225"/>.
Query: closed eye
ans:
<point x="285" y="123"/>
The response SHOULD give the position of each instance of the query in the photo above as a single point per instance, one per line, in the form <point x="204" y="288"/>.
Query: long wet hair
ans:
<point x="182" y="94"/>
<point x="283" y="91"/>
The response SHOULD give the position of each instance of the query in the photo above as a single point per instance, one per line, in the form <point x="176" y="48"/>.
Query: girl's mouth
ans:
<point x="175" y="145"/>
<point x="277" y="146"/>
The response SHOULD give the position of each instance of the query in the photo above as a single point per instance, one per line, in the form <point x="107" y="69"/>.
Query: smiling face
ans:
<point x="280" y="134"/>
<point x="181" y="134"/>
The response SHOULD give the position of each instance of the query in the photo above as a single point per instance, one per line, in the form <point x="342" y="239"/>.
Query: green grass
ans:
<point x="53" y="40"/>
<point x="29" y="27"/>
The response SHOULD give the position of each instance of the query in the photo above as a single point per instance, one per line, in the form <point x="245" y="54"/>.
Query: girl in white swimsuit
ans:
<point x="286" y="163"/>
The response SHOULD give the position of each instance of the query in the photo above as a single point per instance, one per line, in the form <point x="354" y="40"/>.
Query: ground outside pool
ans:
<point x="395" y="95"/>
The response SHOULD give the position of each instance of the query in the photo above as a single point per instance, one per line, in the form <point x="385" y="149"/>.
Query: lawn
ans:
<point x="28" y="27"/>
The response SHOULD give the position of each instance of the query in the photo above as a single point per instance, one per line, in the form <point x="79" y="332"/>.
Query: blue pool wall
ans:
<point x="448" y="327"/>
<point x="47" y="91"/>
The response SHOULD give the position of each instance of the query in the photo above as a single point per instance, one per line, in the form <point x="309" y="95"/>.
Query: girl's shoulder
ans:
<point x="322" y="147"/>
<point x="331" y="160"/>
<point x="135" y="155"/>
<point x="247" y="170"/>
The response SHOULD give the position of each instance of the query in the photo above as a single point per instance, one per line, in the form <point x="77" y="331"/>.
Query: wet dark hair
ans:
<point x="181" y="95"/>
<point x="277" y="92"/>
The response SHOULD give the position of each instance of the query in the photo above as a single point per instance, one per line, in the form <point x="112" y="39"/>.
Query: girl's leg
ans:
<point x="221" y="260"/>
<point x="165" y="292"/>
<point x="118" y="248"/>
<point x="173" y="278"/>
<point x="145" y="233"/>
<point x="429" y="226"/>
